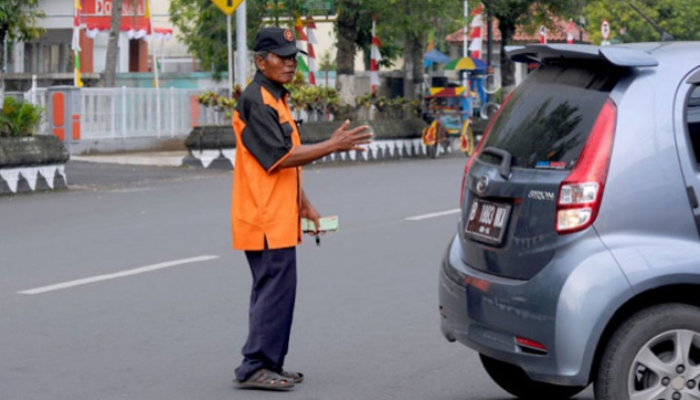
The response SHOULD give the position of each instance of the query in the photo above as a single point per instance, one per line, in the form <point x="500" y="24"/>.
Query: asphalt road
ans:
<point x="125" y="287"/>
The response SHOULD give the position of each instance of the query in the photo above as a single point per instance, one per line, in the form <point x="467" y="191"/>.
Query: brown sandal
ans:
<point x="267" y="380"/>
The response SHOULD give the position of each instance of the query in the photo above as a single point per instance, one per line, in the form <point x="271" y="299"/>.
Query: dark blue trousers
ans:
<point x="271" y="310"/>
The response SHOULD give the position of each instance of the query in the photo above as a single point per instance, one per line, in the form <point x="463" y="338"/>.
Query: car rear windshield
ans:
<point x="549" y="117"/>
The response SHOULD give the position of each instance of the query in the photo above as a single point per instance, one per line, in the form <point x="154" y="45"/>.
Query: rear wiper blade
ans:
<point x="506" y="158"/>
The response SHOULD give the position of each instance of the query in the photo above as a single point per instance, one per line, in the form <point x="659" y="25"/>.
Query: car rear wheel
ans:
<point x="513" y="380"/>
<point x="653" y="355"/>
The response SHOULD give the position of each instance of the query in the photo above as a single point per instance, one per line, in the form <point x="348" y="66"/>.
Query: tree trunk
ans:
<point x="345" y="56"/>
<point x="408" y="69"/>
<point x="3" y="34"/>
<point x="347" y="34"/>
<point x="413" y="66"/>
<point x="419" y="44"/>
<point x="507" y="29"/>
<point x="113" y="44"/>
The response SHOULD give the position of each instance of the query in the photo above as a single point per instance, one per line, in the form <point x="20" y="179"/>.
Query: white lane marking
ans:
<point x="99" y="278"/>
<point x="433" y="215"/>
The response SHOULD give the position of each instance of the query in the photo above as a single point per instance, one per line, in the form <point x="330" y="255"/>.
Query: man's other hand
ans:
<point x="352" y="139"/>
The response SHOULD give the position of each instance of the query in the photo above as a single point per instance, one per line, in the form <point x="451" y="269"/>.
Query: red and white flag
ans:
<point x="475" y="34"/>
<point x="375" y="57"/>
<point x="311" y="40"/>
<point x="299" y="28"/>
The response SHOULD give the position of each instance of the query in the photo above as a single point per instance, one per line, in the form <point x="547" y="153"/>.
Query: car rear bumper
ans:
<point x="564" y="308"/>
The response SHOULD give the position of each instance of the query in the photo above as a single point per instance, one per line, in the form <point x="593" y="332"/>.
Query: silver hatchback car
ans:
<point x="577" y="254"/>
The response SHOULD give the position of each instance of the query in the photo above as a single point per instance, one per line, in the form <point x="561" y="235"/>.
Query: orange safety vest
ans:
<point x="265" y="202"/>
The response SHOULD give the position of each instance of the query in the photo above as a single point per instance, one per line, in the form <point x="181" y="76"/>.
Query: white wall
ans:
<point x="59" y="13"/>
<point x="328" y="42"/>
<point x="172" y="48"/>
<point x="99" y="57"/>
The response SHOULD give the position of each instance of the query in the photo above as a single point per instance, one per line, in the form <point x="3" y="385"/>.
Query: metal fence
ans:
<point x="129" y="112"/>
<point x="135" y="112"/>
<point x="107" y="113"/>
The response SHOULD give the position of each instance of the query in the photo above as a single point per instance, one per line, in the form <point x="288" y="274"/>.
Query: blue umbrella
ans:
<point x="436" y="56"/>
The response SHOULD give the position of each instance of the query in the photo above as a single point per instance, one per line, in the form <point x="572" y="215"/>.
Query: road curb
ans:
<point x="378" y="150"/>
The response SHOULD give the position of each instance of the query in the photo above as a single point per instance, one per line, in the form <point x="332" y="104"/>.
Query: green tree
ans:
<point x="402" y="32"/>
<point x="202" y="28"/>
<point x="677" y="17"/>
<point x="528" y="13"/>
<point x="327" y="64"/>
<point x="347" y="28"/>
<point x="410" y="29"/>
<point x="18" y="22"/>
<point x="358" y="34"/>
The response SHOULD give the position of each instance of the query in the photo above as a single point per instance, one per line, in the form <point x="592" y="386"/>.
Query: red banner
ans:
<point x="97" y="14"/>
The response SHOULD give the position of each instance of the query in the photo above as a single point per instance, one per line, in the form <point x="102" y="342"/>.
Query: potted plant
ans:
<point x="213" y="141"/>
<point x="28" y="161"/>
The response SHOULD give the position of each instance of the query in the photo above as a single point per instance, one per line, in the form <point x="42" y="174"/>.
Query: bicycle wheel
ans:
<point x="430" y="139"/>
<point x="466" y="139"/>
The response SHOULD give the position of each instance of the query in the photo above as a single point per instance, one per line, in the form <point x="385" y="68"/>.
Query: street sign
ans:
<point x="605" y="30"/>
<point x="227" y="6"/>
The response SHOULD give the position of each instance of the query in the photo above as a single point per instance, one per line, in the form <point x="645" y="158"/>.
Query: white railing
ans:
<point x="135" y="112"/>
<point x="109" y="113"/>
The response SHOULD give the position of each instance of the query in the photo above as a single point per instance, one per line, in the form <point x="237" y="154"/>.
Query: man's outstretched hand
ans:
<point x="346" y="139"/>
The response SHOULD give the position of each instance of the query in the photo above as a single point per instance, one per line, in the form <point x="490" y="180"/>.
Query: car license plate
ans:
<point x="487" y="221"/>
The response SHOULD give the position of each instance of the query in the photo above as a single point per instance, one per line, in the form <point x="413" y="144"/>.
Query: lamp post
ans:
<point x="489" y="34"/>
<point x="465" y="42"/>
<point x="241" y="46"/>
<point x="581" y="21"/>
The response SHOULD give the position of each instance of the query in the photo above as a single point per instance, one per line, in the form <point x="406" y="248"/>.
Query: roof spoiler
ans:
<point x="615" y="55"/>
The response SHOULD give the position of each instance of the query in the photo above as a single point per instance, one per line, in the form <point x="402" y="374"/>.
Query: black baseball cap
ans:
<point x="280" y="41"/>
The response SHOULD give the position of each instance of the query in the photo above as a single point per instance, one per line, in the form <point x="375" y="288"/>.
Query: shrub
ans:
<point x="396" y="107"/>
<point x="220" y="104"/>
<point x="319" y="99"/>
<point x="19" y="119"/>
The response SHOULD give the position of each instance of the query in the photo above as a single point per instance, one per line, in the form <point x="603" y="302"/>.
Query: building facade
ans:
<point x="50" y="58"/>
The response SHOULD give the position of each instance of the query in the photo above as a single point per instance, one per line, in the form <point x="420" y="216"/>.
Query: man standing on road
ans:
<point x="269" y="201"/>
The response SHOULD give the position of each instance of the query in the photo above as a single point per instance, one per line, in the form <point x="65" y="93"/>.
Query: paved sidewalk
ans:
<point x="163" y="158"/>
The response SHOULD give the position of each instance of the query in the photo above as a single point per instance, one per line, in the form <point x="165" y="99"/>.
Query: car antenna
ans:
<point x="665" y="36"/>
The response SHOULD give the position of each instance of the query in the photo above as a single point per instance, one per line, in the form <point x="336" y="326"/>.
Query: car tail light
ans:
<point x="581" y="193"/>
<point x="475" y="154"/>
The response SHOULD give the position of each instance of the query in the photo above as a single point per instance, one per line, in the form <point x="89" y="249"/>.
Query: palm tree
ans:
<point x="327" y="64"/>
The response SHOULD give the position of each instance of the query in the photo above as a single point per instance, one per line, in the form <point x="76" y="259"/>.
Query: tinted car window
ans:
<point x="547" y="121"/>
<point x="692" y="115"/>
